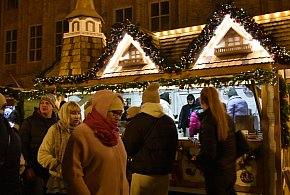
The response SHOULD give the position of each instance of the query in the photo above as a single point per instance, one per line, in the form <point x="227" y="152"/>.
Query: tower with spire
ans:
<point x="84" y="42"/>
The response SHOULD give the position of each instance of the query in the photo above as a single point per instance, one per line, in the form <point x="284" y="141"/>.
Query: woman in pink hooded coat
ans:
<point x="95" y="159"/>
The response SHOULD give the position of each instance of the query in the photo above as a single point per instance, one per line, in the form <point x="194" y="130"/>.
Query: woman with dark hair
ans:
<point x="217" y="155"/>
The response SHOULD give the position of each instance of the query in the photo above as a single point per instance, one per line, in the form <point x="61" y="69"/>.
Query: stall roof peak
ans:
<point x="129" y="58"/>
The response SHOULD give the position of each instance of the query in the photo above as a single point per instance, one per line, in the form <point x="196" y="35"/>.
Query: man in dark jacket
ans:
<point x="151" y="140"/>
<point x="185" y="113"/>
<point x="32" y="132"/>
<point x="10" y="149"/>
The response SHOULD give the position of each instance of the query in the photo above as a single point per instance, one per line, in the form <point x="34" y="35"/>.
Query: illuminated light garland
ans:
<point x="284" y="113"/>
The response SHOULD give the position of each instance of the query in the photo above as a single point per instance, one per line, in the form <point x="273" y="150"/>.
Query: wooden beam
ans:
<point x="255" y="91"/>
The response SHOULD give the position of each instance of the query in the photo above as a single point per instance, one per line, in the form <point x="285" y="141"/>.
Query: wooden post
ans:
<point x="270" y="121"/>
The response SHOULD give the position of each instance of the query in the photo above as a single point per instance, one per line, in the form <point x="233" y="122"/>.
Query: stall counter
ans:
<point x="186" y="177"/>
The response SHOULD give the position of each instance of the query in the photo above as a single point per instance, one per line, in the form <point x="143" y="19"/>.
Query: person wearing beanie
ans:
<point x="32" y="132"/>
<point x="95" y="158"/>
<point x="10" y="151"/>
<point x="150" y="140"/>
<point x="165" y="101"/>
<point x="49" y="98"/>
<point x="236" y="105"/>
<point x="185" y="113"/>
<point x="51" y="151"/>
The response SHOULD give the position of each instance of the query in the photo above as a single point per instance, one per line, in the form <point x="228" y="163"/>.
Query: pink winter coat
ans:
<point x="194" y="123"/>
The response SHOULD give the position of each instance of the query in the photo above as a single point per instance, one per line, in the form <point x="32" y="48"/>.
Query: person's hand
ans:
<point x="29" y="174"/>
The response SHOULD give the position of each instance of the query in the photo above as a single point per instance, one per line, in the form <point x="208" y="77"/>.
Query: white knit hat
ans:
<point x="2" y="101"/>
<point x="151" y="94"/>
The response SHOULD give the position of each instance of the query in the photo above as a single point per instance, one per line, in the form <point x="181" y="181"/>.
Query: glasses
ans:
<point x="116" y="112"/>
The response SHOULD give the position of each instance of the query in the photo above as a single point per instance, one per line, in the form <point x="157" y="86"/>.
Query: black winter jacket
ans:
<point x="184" y="116"/>
<point x="152" y="143"/>
<point x="32" y="132"/>
<point x="10" y="149"/>
<point x="215" y="156"/>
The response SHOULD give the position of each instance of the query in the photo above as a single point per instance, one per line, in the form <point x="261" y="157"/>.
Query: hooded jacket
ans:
<point x="165" y="103"/>
<point x="91" y="167"/>
<point x="236" y="105"/>
<point x="51" y="151"/>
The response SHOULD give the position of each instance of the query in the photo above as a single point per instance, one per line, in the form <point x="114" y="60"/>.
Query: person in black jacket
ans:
<point x="185" y="113"/>
<point x="217" y="156"/>
<point x="151" y="140"/>
<point x="32" y="132"/>
<point x="10" y="150"/>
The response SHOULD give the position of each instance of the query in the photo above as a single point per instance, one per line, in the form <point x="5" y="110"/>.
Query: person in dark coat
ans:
<point x="236" y="105"/>
<point x="124" y="115"/>
<point x="10" y="150"/>
<point x="185" y="113"/>
<point x="151" y="140"/>
<point x="32" y="132"/>
<point x="197" y="107"/>
<point x="217" y="156"/>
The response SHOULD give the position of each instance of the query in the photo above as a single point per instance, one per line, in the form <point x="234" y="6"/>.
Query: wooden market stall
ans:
<point x="232" y="49"/>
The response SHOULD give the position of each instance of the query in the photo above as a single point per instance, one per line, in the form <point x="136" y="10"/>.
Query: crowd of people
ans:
<point x="65" y="154"/>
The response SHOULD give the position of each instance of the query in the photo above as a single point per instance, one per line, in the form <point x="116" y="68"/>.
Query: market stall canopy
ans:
<point x="232" y="42"/>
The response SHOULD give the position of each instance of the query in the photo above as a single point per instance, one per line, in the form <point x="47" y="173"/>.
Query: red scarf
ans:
<point x="106" y="132"/>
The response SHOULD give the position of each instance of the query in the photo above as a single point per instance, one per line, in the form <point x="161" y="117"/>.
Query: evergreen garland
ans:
<point x="284" y="112"/>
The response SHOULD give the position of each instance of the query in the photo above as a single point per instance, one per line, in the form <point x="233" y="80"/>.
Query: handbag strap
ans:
<point x="151" y="129"/>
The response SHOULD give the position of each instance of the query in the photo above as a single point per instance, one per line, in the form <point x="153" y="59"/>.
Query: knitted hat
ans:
<point x="117" y="104"/>
<point x="151" y="94"/>
<point x="232" y="91"/>
<point x="50" y="98"/>
<point x="2" y="101"/>
<point x="132" y="111"/>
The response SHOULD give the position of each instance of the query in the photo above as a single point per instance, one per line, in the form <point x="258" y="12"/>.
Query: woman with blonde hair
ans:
<point x="217" y="154"/>
<point x="51" y="151"/>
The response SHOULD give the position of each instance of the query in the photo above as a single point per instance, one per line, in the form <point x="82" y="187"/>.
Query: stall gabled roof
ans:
<point x="176" y="52"/>
<point x="231" y="45"/>
<point x="116" y="65"/>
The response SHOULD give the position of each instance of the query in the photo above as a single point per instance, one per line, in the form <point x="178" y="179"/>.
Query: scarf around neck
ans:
<point x="106" y="132"/>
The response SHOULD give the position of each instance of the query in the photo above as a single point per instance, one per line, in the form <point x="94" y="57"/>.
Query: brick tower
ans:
<point x="84" y="41"/>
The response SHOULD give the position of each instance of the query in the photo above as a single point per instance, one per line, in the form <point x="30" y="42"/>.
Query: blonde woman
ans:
<point x="217" y="155"/>
<point x="51" y="151"/>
